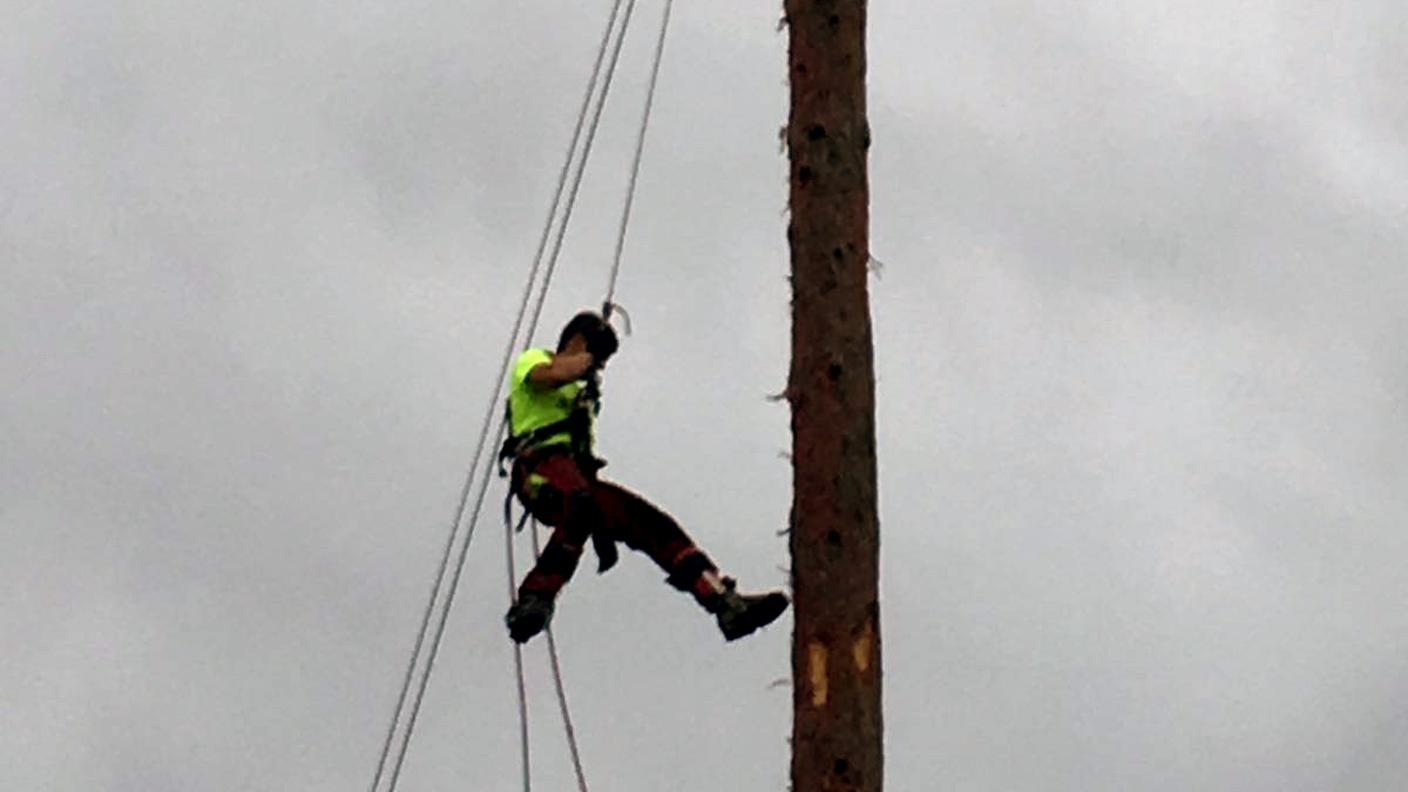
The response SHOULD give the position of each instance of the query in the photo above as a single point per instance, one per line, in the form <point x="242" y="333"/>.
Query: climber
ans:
<point x="552" y="406"/>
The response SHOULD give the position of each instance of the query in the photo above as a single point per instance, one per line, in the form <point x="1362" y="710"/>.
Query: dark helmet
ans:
<point x="600" y="336"/>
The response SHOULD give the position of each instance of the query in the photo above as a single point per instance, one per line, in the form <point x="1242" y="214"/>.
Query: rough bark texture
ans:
<point x="837" y="727"/>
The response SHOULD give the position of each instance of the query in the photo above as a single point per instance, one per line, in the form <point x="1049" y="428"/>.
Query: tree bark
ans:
<point x="837" y="728"/>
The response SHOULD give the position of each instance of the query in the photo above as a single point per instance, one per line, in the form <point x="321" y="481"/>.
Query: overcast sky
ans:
<point x="1139" y="331"/>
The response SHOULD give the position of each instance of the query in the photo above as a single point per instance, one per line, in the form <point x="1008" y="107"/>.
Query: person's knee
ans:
<point x="560" y="557"/>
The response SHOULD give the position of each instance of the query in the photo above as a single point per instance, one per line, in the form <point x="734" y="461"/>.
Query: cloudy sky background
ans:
<point x="1142" y="385"/>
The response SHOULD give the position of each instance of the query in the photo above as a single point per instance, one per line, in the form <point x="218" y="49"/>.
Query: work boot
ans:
<point x="528" y="616"/>
<point x="741" y="614"/>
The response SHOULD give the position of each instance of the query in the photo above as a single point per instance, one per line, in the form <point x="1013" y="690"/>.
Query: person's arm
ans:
<point x="562" y="369"/>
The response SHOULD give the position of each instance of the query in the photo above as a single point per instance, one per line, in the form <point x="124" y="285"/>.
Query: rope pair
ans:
<point x="593" y="104"/>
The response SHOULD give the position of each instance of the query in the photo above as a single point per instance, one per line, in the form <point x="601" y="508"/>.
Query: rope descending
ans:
<point x="593" y="104"/>
<point x="509" y="348"/>
<point x="635" y="162"/>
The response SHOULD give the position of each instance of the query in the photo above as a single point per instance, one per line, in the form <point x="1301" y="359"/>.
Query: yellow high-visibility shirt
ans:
<point x="532" y="407"/>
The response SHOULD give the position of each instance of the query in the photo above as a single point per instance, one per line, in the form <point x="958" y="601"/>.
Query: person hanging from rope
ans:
<point x="553" y="402"/>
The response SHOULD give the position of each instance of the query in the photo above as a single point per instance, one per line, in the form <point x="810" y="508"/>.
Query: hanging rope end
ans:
<point x="609" y="308"/>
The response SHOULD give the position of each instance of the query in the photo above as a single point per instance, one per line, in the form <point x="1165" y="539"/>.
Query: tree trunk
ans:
<point x="837" y="727"/>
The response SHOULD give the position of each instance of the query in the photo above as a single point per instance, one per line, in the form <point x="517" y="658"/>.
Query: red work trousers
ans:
<point x="563" y="493"/>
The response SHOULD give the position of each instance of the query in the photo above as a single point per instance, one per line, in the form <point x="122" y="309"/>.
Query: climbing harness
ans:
<point x="422" y="660"/>
<point x="576" y="426"/>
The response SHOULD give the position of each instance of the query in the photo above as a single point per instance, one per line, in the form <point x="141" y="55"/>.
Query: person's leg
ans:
<point x="630" y="518"/>
<point x="642" y="526"/>
<point x="559" y="495"/>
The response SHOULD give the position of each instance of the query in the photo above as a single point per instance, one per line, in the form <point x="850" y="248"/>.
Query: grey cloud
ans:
<point x="1141" y="395"/>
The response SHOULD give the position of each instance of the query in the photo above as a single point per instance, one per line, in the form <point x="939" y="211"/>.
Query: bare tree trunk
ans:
<point x="837" y="727"/>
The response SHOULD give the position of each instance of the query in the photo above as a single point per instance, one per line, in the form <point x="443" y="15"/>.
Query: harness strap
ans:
<point x="508" y="514"/>
<point x="577" y="426"/>
<point x="515" y="446"/>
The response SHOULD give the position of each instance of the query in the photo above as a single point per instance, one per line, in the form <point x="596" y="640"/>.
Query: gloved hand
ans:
<point x="602" y="343"/>
<point x="606" y="553"/>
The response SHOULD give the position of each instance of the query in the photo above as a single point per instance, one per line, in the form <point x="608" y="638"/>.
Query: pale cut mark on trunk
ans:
<point x="817" y="673"/>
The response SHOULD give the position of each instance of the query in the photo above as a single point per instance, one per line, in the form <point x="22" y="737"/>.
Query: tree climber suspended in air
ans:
<point x="552" y="406"/>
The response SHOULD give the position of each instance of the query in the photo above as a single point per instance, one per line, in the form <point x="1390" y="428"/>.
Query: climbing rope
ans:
<point x="555" y="662"/>
<point x="554" y="659"/>
<point x="518" y="653"/>
<point x="556" y="665"/>
<point x="582" y="163"/>
<point x="610" y="302"/>
<point x="607" y="306"/>
<point x="594" y="103"/>
<point x="510" y="347"/>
